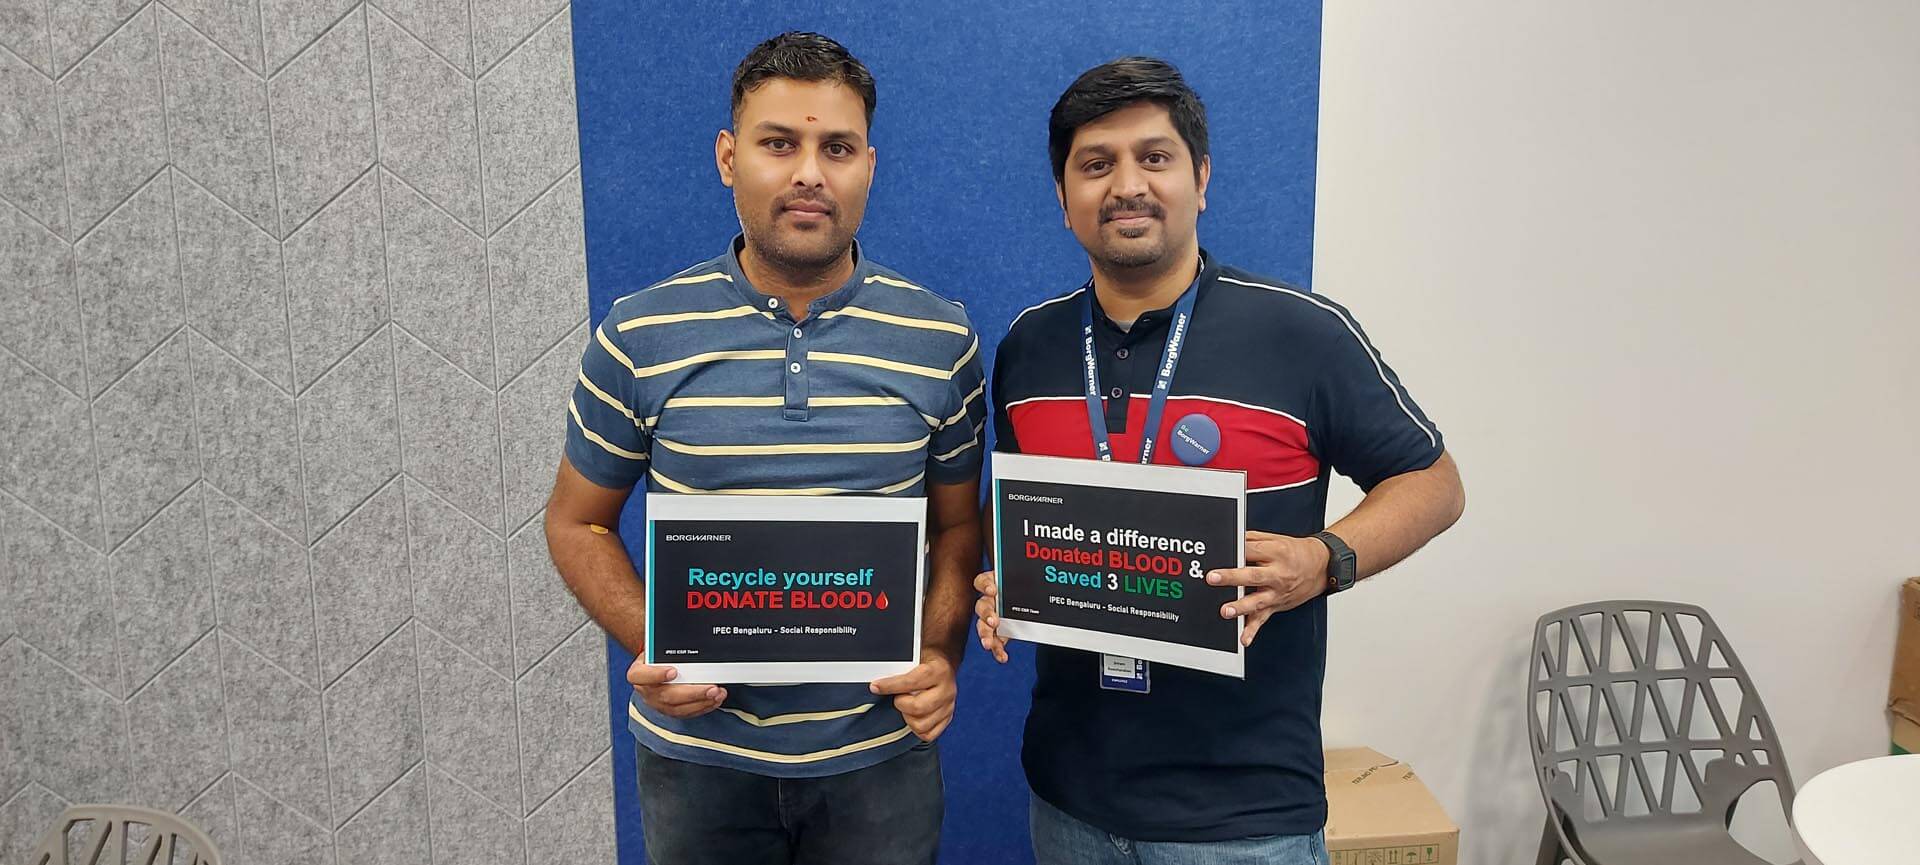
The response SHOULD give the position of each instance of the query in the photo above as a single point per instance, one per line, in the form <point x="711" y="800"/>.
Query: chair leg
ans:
<point x="1549" y="846"/>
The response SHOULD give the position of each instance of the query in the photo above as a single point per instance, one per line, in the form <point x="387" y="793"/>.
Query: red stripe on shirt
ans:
<point x="1271" y="448"/>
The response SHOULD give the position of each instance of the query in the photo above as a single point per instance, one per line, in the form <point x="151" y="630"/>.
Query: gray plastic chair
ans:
<point x="122" y="835"/>
<point x="1646" y="733"/>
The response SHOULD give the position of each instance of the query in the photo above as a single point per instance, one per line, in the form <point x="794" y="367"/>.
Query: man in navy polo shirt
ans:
<point x="790" y="363"/>
<point x="1169" y="765"/>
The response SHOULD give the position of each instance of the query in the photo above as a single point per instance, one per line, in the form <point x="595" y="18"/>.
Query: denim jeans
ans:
<point x="888" y="814"/>
<point x="1059" y="839"/>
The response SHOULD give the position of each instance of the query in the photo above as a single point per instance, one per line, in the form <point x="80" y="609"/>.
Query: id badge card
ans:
<point x="1123" y="674"/>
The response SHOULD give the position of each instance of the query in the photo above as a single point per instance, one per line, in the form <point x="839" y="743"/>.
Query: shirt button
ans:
<point x="1116" y="393"/>
<point x="798" y="333"/>
<point x="1122" y="354"/>
<point x="794" y="367"/>
<point x="773" y="303"/>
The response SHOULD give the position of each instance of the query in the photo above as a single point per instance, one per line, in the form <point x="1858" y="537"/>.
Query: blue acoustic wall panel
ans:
<point x="963" y="201"/>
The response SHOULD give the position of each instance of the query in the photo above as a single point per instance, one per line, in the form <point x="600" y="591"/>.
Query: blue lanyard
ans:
<point x="1162" y="380"/>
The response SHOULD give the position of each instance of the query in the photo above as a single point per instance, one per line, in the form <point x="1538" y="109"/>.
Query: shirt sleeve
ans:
<point x="954" y="450"/>
<point x="1364" y="423"/>
<point x="606" y="440"/>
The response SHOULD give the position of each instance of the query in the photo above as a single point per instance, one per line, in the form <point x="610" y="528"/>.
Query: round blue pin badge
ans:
<point x="1196" y="439"/>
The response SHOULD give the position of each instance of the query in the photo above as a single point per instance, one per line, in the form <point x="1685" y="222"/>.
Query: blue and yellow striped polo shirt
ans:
<point x="701" y="384"/>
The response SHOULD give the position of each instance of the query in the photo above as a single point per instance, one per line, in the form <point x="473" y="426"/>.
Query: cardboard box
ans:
<point x="1906" y="736"/>
<point x="1903" y="697"/>
<point x="1378" y="813"/>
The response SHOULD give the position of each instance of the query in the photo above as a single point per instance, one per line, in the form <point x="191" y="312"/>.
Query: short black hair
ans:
<point x="1112" y="86"/>
<point x="802" y="56"/>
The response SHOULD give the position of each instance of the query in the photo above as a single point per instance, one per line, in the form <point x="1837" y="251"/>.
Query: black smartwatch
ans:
<point x="1342" y="565"/>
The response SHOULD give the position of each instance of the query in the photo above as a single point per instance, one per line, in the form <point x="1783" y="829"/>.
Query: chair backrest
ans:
<point x="1640" y="711"/>
<point x="122" y="835"/>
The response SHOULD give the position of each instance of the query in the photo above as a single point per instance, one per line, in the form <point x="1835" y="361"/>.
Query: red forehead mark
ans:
<point x="810" y="119"/>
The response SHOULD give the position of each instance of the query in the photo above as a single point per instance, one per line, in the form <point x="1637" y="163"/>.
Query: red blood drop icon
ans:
<point x="881" y="602"/>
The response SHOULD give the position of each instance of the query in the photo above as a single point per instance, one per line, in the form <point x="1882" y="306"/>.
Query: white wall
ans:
<point x="1655" y="269"/>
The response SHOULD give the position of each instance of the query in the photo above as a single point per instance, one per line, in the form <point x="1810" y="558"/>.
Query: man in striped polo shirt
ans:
<point x="789" y="364"/>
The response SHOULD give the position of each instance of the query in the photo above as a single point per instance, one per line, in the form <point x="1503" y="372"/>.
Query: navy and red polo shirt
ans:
<point x="1297" y="392"/>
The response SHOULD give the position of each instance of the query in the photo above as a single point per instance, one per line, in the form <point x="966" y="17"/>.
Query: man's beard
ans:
<point x="1126" y="254"/>
<point x="819" y="249"/>
<point x="801" y="257"/>
<point x="1131" y="256"/>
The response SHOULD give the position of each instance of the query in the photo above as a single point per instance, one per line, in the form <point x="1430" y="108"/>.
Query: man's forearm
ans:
<point x="1402" y="514"/>
<point x="954" y="561"/>
<point x="600" y="575"/>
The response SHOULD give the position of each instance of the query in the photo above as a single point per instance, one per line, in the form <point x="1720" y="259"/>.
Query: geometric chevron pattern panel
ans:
<point x="291" y="294"/>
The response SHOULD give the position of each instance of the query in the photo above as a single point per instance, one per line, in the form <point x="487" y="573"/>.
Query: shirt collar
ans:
<point x="835" y="299"/>
<point x="1152" y="320"/>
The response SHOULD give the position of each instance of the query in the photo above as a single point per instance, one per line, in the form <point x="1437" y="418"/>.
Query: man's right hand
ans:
<point x="986" y="620"/>
<point x="676" y="701"/>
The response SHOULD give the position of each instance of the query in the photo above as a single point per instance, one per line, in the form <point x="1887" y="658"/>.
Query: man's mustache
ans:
<point x="809" y="195"/>
<point x="1141" y="206"/>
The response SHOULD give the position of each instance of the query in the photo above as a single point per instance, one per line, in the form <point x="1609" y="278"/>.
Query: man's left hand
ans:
<point x="924" y="695"/>
<point x="1282" y="572"/>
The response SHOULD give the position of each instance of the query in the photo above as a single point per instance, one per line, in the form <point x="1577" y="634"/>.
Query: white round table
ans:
<point x="1864" y="813"/>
